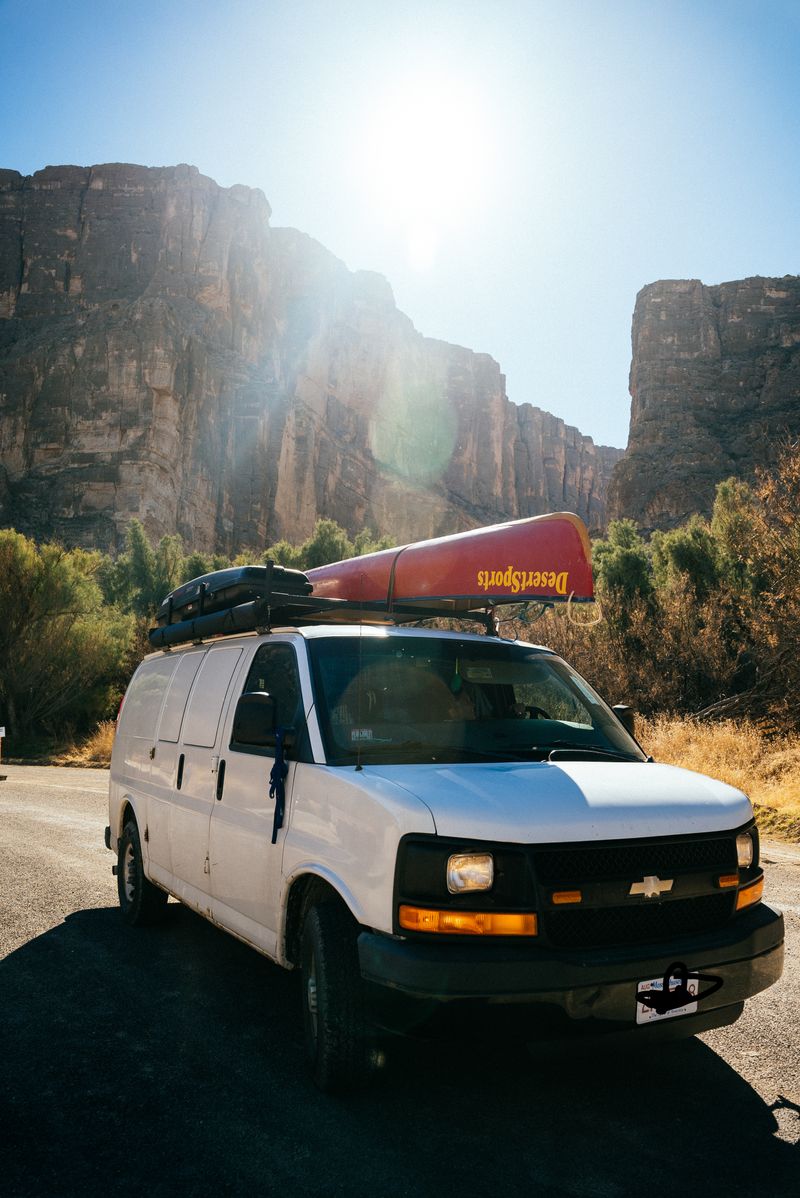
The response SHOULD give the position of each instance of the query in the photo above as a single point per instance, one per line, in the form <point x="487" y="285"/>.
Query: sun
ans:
<point x="426" y="156"/>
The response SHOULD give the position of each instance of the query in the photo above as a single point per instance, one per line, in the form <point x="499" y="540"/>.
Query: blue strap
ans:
<point x="277" y="777"/>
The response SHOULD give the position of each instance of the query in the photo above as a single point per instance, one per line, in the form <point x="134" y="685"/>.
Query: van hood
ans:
<point x="549" y="802"/>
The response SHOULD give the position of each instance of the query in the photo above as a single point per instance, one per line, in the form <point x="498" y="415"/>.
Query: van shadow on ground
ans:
<point x="170" y="1061"/>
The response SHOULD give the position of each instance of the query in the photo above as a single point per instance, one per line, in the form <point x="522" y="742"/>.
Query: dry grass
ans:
<point x="766" y="768"/>
<point x="95" y="750"/>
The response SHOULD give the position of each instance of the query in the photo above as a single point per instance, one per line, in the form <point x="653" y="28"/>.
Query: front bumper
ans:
<point x="580" y="984"/>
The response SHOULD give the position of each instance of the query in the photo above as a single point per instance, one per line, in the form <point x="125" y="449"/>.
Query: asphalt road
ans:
<point x="169" y="1061"/>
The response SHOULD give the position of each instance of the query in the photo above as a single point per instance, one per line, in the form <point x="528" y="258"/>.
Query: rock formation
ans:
<point x="165" y="354"/>
<point x="715" y="384"/>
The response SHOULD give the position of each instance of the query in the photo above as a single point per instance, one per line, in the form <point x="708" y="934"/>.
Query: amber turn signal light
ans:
<point x="749" y="895"/>
<point x="568" y="896"/>
<point x="728" y="880"/>
<point x="468" y="923"/>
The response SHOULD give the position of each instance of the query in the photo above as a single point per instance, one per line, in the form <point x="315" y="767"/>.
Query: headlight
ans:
<point x="470" y="871"/>
<point x="744" y="850"/>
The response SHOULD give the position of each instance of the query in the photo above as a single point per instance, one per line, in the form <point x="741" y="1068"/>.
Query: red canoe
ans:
<point x="541" y="558"/>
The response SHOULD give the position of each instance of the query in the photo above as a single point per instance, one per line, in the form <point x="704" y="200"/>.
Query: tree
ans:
<point x="141" y="562"/>
<point x="328" y="543"/>
<point x="734" y="524"/>
<point x="170" y="563"/>
<point x="621" y="562"/>
<point x="686" y="555"/>
<point x="366" y="542"/>
<point x="144" y="574"/>
<point x="285" y="554"/>
<point x="195" y="565"/>
<point x="776" y="558"/>
<point x="776" y="548"/>
<point x="62" y="649"/>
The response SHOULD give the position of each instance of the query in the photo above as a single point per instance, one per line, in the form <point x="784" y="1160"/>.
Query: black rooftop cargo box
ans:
<point x="228" y="588"/>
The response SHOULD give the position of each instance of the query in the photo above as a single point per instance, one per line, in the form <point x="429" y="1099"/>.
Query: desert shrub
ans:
<point x="704" y="619"/>
<point x="141" y="576"/>
<point x="328" y="543"/>
<point x="95" y="750"/>
<point x="622" y="563"/>
<point x="63" y="651"/>
<point x="73" y="624"/>
<point x="734" y="529"/>
<point x="139" y="579"/>
<point x="668" y="655"/>
<point x="757" y="531"/>
<point x="686" y="556"/>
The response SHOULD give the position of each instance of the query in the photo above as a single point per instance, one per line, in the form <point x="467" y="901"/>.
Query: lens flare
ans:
<point x="413" y="431"/>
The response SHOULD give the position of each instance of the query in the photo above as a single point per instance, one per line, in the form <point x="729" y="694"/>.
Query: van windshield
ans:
<point x="418" y="699"/>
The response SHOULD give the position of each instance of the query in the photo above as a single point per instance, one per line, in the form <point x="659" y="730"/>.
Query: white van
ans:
<point x="422" y="821"/>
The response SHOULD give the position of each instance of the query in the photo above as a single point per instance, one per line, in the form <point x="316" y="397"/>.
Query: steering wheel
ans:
<point x="537" y="713"/>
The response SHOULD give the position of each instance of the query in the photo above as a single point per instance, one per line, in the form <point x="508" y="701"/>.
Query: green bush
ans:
<point x="704" y="618"/>
<point x="328" y="543"/>
<point x="73" y="624"/>
<point x="63" y="650"/>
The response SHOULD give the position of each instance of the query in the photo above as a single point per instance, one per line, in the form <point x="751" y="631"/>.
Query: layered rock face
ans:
<point x="715" y="384"/>
<point x="167" y="355"/>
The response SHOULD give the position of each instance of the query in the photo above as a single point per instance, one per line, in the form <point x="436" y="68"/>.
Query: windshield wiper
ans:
<point x="559" y="750"/>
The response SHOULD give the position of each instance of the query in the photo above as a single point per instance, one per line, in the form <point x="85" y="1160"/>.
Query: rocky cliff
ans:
<point x="715" y="386"/>
<point x="168" y="355"/>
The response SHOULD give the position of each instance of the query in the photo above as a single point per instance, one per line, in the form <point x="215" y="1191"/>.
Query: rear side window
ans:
<point x="182" y="679"/>
<point x="208" y="695"/>
<point x="145" y="696"/>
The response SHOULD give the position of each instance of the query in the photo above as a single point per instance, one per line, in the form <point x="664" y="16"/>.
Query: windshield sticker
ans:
<point x="513" y="582"/>
<point x="359" y="734"/>
<point x="478" y="673"/>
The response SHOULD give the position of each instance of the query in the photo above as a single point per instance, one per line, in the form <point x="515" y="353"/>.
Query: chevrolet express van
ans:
<point x="422" y="821"/>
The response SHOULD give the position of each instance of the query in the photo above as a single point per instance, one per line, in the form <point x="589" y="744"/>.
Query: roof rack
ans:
<point x="276" y="608"/>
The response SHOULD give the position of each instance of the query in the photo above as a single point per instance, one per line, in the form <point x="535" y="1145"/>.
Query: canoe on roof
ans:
<point x="545" y="558"/>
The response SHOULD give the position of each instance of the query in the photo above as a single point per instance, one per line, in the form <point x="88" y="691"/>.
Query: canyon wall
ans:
<point x="715" y="386"/>
<point x="166" y="354"/>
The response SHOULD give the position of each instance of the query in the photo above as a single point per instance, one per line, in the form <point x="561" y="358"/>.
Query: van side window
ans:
<point x="175" y="703"/>
<point x="145" y="696"/>
<point x="208" y="694"/>
<point x="274" y="670"/>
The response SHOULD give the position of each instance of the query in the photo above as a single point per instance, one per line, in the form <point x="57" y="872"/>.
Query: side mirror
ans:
<point x="626" y="716"/>
<point x="254" y="720"/>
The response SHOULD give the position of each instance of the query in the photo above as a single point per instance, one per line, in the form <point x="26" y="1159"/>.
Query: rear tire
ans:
<point x="140" y="901"/>
<point x="339" y="1040"/>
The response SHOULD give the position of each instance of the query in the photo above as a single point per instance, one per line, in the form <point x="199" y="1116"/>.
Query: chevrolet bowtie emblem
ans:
<point x="651" y="886"/>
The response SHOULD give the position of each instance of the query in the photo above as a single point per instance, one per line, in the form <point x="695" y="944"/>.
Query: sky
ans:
<point x="517" y="170"/>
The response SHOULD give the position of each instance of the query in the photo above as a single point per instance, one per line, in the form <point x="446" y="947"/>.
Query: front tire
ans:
<point x="140" y="901"/>
<point x="339" y="1041"/>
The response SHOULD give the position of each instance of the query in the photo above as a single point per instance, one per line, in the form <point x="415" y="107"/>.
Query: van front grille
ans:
<point x="641" y="923"/>
<point x="634" y="860"/>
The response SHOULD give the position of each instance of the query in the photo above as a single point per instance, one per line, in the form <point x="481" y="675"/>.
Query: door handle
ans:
<point x="220" y="779"/>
